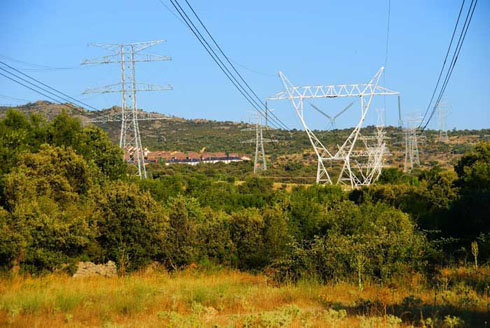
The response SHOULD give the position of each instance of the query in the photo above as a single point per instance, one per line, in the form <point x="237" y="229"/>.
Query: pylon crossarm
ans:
<point x="150" y="58"/>
<point x="109" y="59"/>
<point x="249" y="141"/>
<point x="334" y="91"/>
<point x="107" y="46"/>
<point x="117" y="88"/>
<point x="152" y="87"/>
<point x="137" y="46"/>
<point x="142" y="116"/>
<point x="111" y="88"/>
<point x="115" y="58"/>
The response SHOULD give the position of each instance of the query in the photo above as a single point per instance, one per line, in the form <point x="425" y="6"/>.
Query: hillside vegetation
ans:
<point x="411" y="248"/>
<point x="293" y="147"/>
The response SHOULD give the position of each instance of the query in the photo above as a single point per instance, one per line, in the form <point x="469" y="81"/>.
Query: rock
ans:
<point x="89" y="269"/>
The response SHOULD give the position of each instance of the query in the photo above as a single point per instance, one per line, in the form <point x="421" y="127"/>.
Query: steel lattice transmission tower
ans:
<point x="400" y="121"/>
<point x="441" y="122"/>
<point x="380" y="149"/>
<point x="127" y="55"/>
<point x="412" y="157"/>
<point x="354" y="164"/>
<point x="260" y="161"/>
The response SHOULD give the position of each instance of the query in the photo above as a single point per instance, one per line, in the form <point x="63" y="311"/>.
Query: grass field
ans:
<point x="235" y="299"/>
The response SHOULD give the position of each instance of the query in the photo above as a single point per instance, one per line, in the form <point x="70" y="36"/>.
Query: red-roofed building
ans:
<point x="193" y="158"/>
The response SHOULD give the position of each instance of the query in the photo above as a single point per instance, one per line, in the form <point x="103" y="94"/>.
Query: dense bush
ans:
<point x="131" y="226"/>
<point x="66" y="195"/>
<point x="373" y="240"/>
<point x="49" y="214"/>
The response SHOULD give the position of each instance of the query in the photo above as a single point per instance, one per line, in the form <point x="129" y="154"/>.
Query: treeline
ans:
<point x="67" y="195"/>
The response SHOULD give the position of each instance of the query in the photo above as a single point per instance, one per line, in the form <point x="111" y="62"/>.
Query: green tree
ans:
<point x="64" y="130"/>
<point x="131" y="225"/>
<point x="49" y="215"/>
<point x="95" y="146"/>
<point x="473" y="168"/>
<point x="247" y="232"/>
<point x="308" y="207"/>
<point x="15" y="138"/>
<point x="214" y="238"/>
<point x="184" y="217"/>
<point x="469" y="216"/>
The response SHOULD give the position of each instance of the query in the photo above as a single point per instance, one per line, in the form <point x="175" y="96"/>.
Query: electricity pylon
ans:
<point x="380" y="148"/>
<point x="352" y="160"/>
<point x="127" y="55"/>
<point x="412" y="157"/>
<point x="400" y="121"/>
<point x="260" y="161"/>
<point x="441" y="120"/>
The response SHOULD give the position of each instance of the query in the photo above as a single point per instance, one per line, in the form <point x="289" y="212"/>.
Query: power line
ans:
<point x="387" y="35"/>
<point x="231" y="59"/>
<point x="171" y="11"/>
<point x="386" y="48"/>
<point x="221" y="51"/>
<point x="228" y="60"/>
<point x="56" y="92"/>
<point x="34" y="85"/>
<point x="215" y="57"/>
<point x="256" y="103"/>
<point x="13" y="98"/>
<point x="456" y="54"/>
<point x="253" y="70"/>
<point x="459" y="45"/>
<point x="39" y="67"/>
<point x="28" y="87"/>
<point x="445" y="60"/>
<point x="201" y="37"/>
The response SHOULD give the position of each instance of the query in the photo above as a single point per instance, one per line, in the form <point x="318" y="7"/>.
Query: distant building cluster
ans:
<point x="190" y="157"/>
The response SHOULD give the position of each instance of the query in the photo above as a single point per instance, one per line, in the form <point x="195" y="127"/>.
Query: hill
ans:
<point x="293" y="146"/>
<point x="194" y="247"/>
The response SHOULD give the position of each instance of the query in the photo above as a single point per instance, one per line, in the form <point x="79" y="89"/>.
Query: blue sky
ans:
<point x="313" y="42"/>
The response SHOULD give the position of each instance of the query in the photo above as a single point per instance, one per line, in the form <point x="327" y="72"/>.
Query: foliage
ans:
<point x="371" y="240"/>
<point x="131" y="225"/>
<point x="47" y="209"/>
<point x="184" y="217"/>
<point x="96" y="147"/>
<point x="66" y="195"/>
<point x="473" y="168"/>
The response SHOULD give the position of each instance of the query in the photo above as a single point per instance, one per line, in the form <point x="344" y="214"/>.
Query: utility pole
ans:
<point x="441" y="120"/>
<point x="260" y="161"/>
<point x="127" y="55"/>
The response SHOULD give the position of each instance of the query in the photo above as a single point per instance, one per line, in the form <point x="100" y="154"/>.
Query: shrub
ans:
<point x="372" y="240"/>
<point x="49" y="214"/>
<point x="182" y="236"/>
<point x="132" y="227"/>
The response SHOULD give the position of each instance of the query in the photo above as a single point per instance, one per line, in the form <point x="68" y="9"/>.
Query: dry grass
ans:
<point x="230" y="299"/>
